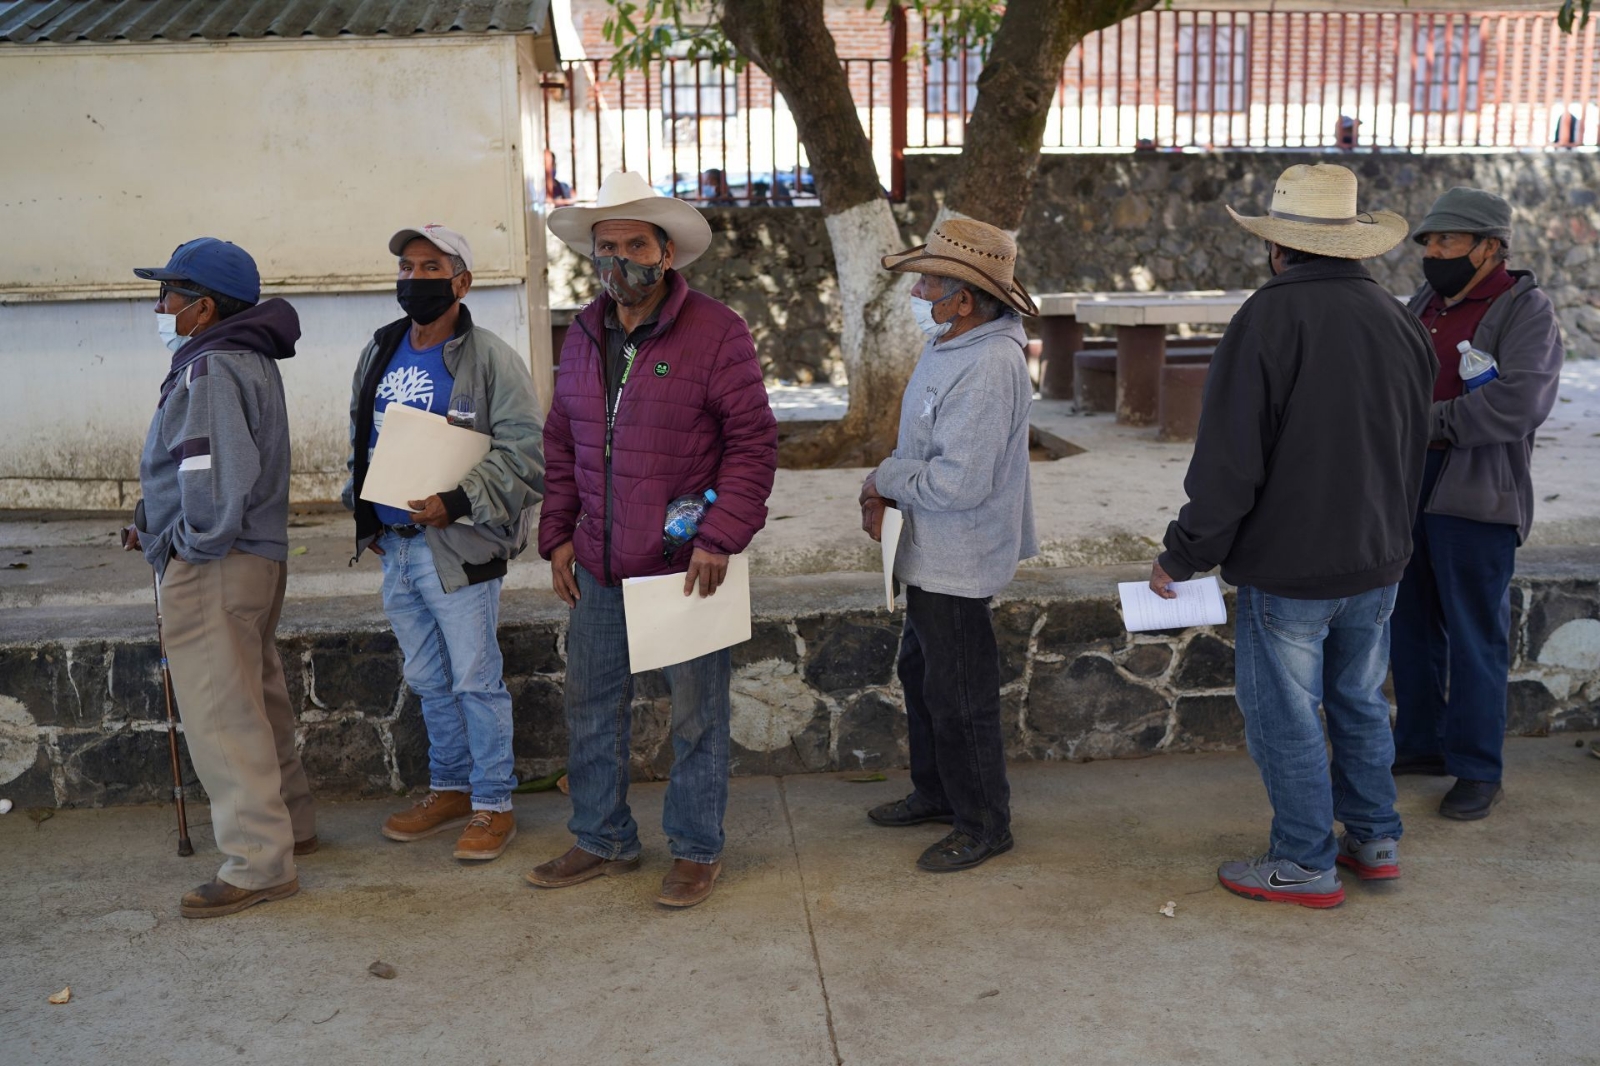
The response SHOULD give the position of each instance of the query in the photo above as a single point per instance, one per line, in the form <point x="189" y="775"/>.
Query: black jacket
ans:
<point x="1312" y="438"/>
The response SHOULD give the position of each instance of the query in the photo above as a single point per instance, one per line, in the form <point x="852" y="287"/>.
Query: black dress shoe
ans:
<point x="1427" y="766"/>
<point x="903" y="812"/>
<point x="958" y="851"/>
<point x="1468" y="801"/>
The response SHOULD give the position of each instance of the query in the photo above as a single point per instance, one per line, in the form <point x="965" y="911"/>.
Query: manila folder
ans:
<point x="418" y="454"/>
<point x="665" y="627"/>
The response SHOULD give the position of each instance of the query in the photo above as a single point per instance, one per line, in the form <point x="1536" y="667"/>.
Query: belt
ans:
<point x="407" y="532"/>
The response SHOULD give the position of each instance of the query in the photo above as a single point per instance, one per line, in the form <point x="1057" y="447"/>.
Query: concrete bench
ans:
<point x="1094" y="385"/>
<point x="1182" y="387"/>
<point x="1142" y="322"/>
<point x="1061" y="335"/>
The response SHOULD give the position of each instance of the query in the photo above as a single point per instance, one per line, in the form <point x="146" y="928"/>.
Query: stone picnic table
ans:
<point x="1142" y="320"/>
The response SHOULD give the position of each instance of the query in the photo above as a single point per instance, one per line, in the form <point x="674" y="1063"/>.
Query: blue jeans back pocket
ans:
<point x="1297" y="619"/>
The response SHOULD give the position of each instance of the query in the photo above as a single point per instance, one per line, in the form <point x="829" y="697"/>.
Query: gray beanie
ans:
<point x="1467" y="210"/>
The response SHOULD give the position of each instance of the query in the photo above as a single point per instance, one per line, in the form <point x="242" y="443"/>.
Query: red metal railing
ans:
<point x="1165" y="80"/>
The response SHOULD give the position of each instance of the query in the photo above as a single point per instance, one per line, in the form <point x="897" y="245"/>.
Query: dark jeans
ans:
<point x="950" y="669"/>
<point x="1451" y="648"/>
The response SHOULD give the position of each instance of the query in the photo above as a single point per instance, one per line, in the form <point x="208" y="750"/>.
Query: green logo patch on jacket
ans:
<point x="661" y="370"/>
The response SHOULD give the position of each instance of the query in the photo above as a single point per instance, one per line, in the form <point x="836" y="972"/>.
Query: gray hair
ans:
<point x="985" y="304"/>
<point x="458" y="265"/>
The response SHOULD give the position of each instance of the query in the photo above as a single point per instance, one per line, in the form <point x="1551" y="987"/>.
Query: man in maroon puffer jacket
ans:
<point x="659" y="396"/>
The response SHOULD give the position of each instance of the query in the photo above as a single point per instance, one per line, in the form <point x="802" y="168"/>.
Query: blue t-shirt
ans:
<point x="416" y="379"/>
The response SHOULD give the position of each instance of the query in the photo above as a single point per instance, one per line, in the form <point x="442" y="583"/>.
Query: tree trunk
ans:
<point x="789" y="40"/>
<point x="1000" y="153"/>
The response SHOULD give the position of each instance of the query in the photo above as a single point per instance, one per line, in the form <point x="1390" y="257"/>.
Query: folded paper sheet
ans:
<point x="1199" y="603"/>
<point x="666" y="627"/>
<point x="893" y="522"/>
<point x="418" y="454"/>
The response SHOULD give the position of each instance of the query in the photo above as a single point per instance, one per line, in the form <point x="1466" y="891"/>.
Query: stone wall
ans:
<point x="82" y="723"/>
<point x="1141" y="222"/>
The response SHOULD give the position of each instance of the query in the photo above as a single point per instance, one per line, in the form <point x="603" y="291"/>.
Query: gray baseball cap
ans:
<point x="447" y="241"/>
<point x="1467" y="210"/>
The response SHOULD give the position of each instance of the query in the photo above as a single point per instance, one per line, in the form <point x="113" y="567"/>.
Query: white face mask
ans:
<point x="167" y="330"/>
<point x="922" y="310"/>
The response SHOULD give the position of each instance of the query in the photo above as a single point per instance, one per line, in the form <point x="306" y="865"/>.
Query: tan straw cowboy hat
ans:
<point x="1314" y="210"/>
<point x="625" y="194"/>
<point x="970" y="251"/>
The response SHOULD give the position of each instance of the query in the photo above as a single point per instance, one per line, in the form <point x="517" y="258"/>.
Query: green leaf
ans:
<point x="299" y="549"/>
<point x="869" y="779"/>
<point x="543" y="784"/>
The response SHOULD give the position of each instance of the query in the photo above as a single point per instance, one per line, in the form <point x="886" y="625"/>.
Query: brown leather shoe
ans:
<point x="216" y="898"/>
<point x="486" y="835"/>
<point x="576" y="867"/>
<point x="688" y="883"/>
<point x="306" y="846"/>
<point x="434" y="813"/>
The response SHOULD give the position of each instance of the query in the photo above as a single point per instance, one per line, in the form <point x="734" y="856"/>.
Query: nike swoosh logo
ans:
<point x="1274" y="881"/>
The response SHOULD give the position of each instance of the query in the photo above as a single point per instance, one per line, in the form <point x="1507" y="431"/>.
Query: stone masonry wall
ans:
<point x="1141" y="222"/>
<point x="83" y="723"/>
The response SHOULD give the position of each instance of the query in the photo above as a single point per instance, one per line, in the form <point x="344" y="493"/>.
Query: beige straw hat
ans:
<point x="625" y="194"/>
<point x="970" y="251"/>
<point x="1314" y="210"/>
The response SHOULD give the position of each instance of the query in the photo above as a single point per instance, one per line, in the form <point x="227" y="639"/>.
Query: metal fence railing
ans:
<point x="1165" y="80"/>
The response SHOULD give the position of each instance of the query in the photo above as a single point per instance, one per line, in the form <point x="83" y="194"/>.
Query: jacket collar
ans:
<point x="388" y="338"/>
<point x="593" y="317"/>
<point x="1321" y="270"/>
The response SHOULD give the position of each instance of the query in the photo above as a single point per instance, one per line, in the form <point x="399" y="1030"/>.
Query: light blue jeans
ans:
<point x="453" y="664"/>
<point x="1292" y="656"/>
<point x="599" y="695"/>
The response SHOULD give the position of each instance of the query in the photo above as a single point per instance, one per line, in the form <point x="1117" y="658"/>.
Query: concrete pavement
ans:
<point x="823" y="945"/>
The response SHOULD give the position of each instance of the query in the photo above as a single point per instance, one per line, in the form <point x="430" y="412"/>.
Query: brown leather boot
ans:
<point x="434" y="813"/>
<point x="216" y="898"/>
<point x="486" y="835"/>
<point x="576" y="867"/>
<point x="688" y="883"/>
<point x="306" y="846"/>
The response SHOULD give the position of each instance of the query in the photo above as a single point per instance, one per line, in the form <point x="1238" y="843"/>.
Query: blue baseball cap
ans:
<point x="216" y="265"/>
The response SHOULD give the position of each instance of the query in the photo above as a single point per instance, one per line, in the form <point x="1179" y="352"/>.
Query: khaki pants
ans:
<point x="219" y="620"/>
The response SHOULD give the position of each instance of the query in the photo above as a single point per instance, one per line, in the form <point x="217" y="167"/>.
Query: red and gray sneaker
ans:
<point x="1374" y="860"/>
<point x="1281" y="881"/>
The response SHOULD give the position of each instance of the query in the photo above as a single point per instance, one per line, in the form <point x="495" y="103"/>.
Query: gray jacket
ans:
<point x="959" y="473"/>
<point x="499" y="493"/>
<point x="215" y="466"/>
<point x="1486" y="474"/>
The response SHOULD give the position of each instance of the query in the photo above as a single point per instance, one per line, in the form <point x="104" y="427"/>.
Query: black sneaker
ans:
<point x="903" y="812"/>
<point x="958" y="851"/>
<point x="1468" y="801"/>
<point x="1426" y="766"/>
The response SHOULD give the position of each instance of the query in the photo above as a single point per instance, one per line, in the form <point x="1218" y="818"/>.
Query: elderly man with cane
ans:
<point x="214" y="523"/>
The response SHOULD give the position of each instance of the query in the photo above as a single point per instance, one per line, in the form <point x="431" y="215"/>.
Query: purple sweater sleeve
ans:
<point x="738" y="399"/>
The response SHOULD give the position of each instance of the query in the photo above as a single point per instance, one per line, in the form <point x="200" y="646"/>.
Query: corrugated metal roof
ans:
<point x="110" y="21"/>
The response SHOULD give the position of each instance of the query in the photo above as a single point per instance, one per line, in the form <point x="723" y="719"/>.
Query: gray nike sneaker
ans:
<point x="1374" y="860"/>
<point x="1281" y="881"/>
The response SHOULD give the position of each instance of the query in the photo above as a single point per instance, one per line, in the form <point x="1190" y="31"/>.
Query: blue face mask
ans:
<point x="922" y="311"/>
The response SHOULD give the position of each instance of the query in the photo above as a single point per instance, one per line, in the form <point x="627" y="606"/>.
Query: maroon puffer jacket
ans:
<point x="693" y="416"/>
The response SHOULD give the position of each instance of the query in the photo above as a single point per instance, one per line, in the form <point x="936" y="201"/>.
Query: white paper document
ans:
<point x="665" y="627"/>
<point x="418" y="454"/>
<point x="893" y="521"/>
<point x="1199" y="603"/>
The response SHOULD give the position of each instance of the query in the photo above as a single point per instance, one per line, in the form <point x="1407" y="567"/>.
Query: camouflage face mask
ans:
<point x="627" y="282"/>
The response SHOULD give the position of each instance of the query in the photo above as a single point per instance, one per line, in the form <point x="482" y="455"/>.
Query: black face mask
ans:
<point x="1450" y="276"/>
<point x="425" y="299"/>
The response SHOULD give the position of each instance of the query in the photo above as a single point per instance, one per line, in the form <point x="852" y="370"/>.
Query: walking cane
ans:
<point x="185" y="848"/>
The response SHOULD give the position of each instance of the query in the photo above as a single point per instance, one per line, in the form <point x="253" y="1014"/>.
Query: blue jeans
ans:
<point x="599" y="694"/>
<point x="1292" y="656"/>
<point x="453" y="665"/>
<point x="949" y="666"/>
<point x="1452" y="641"/>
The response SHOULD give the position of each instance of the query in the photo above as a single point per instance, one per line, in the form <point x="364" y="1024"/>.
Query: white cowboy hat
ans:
<point x="625" y="194"/>
<point x="1314" y="210"/>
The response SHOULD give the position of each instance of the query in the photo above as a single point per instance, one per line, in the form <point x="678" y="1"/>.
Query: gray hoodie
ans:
<point x="215" y="467"/>
<point x="959" y="473"/>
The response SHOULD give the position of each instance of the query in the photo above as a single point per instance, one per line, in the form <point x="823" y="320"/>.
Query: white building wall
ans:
<point x="85" y="376"/>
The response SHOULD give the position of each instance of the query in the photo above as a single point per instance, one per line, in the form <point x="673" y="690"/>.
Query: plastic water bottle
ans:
<point x="1477" y="367"/>
<point x="683" y="520"/>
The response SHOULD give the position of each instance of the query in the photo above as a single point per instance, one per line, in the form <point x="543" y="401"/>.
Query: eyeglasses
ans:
<point x="167" y="287"/>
